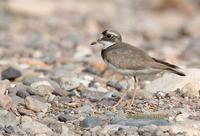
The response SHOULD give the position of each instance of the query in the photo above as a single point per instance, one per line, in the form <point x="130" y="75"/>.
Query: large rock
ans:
<point x="35" y="105"/>
<point x="4" y="84"/>
<point x="35" y="128"/>
<point x="10" y="73"/>
<point x="42" y="88"/>
<point x="170" y="82"/>
<point x="5" y="101"/>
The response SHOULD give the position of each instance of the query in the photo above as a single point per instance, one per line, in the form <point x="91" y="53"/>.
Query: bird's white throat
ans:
<point x="106" y="44"/>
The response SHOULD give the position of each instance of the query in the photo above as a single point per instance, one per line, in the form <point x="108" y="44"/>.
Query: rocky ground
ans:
<point x="54" y="83"/>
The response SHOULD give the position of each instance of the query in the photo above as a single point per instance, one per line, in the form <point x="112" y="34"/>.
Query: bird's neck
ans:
<point x="107" y="44"/>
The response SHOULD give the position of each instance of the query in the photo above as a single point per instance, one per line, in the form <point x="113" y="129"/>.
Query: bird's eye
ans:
<point x="108" y="36"/>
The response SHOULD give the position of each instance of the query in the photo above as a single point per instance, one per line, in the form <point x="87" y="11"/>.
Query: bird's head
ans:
<point x="108" y="38"/>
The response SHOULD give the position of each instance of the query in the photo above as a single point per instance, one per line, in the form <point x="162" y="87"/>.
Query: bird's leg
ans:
<point x="123" y="95"/>
<point x="134" y="91"/>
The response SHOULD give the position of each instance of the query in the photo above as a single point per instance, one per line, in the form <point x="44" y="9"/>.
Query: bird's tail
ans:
<point x="176" y="71"/>
<point x="170" y="67"/>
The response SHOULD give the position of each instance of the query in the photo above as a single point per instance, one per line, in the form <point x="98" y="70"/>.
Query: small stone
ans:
<point x="9" y="129"/>
<point x="35" y="128"/>
<point x="182" y="116"/>
<point x="5" y="101"/>
<point x="10" y="73"/>
<point x="55" y="127"/>
<point x="85" y="109"/>
<point x="90" y="122"/>
<point x="92" y="70"/>
<point x="67" y="132"/>
<point x="4" y="84"/>
<point x="11" y="120"/>
<point x="114" y="85"/>
<point x="93" y="95"/>
<point x="68" y="84"/>
<point x="35" y="105"/>
<point x="28" y="80"/>
<point x="147" y="130"/>
<point x="138" y="122"/>
<point x="22" y="94"/>
<point x="65" y="118"/>
<point x="193" y="88"/>
<point x="42" y="88"/>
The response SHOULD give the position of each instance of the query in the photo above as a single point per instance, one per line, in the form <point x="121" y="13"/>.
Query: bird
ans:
<point x="130" y="61"/>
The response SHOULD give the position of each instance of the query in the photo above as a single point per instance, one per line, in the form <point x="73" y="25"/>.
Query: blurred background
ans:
<point x="49" y="34"/>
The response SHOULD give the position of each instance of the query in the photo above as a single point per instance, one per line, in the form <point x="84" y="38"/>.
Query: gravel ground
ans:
<point x="53" y="83"/>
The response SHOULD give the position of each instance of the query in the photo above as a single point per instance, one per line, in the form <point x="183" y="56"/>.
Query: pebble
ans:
<point x="138" y="122"/>
<point x="114" y="85"/>
<point x="5" y="102"/>
<point x="182" y="116"/>
<point x="92" y="70"/>
<point x="10" y="73"/>
<point x="9" y="129"/>
<point x="35" y="128"/>
<point x="90" y="122"/>
<point x="93" y="95"/>
<point x="68" y="84"/>
<point x="85" y="109"/>
<point x="147" y="130"/>
<point x="4" y="84"/>
<point x="42" y="88"/>
<point x="65" y="118"/>
<point x="11" y="119"/>
<point x="55" y="127"/>
<point x="28" y="80"/>
<point x="35" y="105"/>
<point x="22" y="94"/>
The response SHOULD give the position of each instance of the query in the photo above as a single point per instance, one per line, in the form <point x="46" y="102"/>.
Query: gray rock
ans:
<point x="22" y="94"/>
<point x="67" y="132"/>
<point x="93" y="95"/>
<point x="65" y="118"/>
<point x="85" y="109"/>
<point x="148" y="130"/>
<point x="68" y="84"/>
<point x="28" y="80"/>
<point x="10" y="73"/>
<point x="5" y="101"/>
<point x="35" y="128"/>
<point x="18" y="87"/>
<point x="9" y="129"/>
<point x="42" y="88"/>
<point x="115" y="85"/>
<point x="114" y="129"/>
<point x="90" y="122"/>
<point x="138" y="122"/>
<point x="35" y="105"/>
<point x="4" y="84"/>
<point x="55" y="127"/>
<point x="11" y="120"/>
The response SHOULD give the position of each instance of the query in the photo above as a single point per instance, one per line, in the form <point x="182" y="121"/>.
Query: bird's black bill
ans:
<point x="93" y="43"/>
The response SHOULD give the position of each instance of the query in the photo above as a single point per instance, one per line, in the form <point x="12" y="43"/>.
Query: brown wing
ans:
<point x="127" y="57"/>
